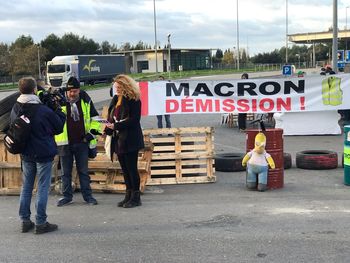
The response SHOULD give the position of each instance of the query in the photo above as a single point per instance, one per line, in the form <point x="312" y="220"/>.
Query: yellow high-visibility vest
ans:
<point x="89" y="124"/>
<point x="332" y="93"/>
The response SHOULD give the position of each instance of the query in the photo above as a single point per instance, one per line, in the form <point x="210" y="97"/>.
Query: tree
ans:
<point x="53" y="45"/>
<point x="106" y="47"/>
<point x="243" y="56"/>
<point x="89" y="46"/>
<point x="219" y="54"/>
<point x="24" y="61"/>
<point x="22" y="42"/>
<point x="228" y="57"/>
<point x="217" y="58"/>
<point x="125" y="47"/>
<point x="71" y="44"/>
<point x="23" y="56"/>
<point x="4" y="59"/>
<point x="140" y="46"/>
<point x="266" y="58"/>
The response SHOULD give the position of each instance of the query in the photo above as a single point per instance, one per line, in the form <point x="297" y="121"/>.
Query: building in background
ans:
<point x="143" y="61"/>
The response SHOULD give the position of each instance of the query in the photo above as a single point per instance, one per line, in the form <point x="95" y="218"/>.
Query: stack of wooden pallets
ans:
<point x="106" y="176"/>
<point x="181" y="155"/>
<point x="10" y="171"/>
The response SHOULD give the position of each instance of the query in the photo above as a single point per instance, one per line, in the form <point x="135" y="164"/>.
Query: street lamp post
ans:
<point x="286" y="31"/>
<point x="298" y="55"/>
<point x="346" y="27"/>
<point x="169" y="55"/>
<point x="237" y="39"/>
<point x="155" y="34"/>
<point x="335" y="37"/>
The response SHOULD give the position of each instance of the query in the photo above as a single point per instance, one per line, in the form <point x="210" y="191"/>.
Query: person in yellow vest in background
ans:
<point x="77" y="140"/>
<point x="257" y="162"/>
<point x="332" y="93"/>
<point x="40" y="88"/>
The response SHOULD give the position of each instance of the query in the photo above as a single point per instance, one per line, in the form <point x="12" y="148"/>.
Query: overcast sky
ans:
<point x="192" y="23"/>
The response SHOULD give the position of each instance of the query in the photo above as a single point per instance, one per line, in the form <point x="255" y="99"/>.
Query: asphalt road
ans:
<point x="308" y="220"/>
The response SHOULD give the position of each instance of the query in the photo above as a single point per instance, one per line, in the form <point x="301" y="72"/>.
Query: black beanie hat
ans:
<point x="73" y="83"/>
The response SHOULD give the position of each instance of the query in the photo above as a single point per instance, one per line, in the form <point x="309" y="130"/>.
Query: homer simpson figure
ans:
<point x="258" y="160"/>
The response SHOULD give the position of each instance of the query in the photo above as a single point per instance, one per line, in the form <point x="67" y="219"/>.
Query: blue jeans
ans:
<point x="255" y="171"/>
<point x="79" y="153"/>
<point x="30" y="170"/>
<point x="167" y="121"/>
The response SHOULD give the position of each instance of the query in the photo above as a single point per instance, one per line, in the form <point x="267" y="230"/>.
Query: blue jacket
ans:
<point x="41" y="146"/>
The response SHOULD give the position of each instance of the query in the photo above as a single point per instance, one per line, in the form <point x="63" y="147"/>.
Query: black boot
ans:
<point x="126" y="198"/>
<point x="135" y="200"/>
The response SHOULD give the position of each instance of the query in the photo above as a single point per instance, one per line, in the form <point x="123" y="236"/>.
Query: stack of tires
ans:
<point x="6" y="105"/>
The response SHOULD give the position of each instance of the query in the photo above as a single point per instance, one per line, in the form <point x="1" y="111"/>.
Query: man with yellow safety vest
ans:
<point x="76" y="140"/>
<point x="332" y="93"/>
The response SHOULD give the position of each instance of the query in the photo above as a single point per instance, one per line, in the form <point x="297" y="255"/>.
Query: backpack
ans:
<point x="20" y="128"/>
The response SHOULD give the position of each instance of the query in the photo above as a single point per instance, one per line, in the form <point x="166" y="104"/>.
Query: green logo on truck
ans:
<point x="91" y="68"/>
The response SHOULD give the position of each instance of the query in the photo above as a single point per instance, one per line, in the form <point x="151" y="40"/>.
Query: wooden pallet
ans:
<point x="106" y="176"/>
<point x="10" y="178"/>
<point x="10" y="171"/>
<point x="184" y="157"/>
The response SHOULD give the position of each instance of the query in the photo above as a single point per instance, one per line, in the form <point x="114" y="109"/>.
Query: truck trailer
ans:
<point x="88" y="69"/>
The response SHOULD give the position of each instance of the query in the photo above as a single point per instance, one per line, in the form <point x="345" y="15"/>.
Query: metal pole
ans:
<point x="346" y="28"/>
<point x="155" y="33"/>
<point x="313" y="55"/>
<point x="335" y="37"/>
<point x="39" y="71"/>
<point x="286" y="31"/>
<point x="237" y="39"/>
<point x="169" y="56"/>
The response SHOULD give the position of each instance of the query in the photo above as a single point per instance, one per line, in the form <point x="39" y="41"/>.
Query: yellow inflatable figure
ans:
<point x="257" y="161"/>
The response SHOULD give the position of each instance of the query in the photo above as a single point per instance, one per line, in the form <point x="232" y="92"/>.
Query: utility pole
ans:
<point x="346" y="27"/>
<point x="335" y="37"/>
<point x="237" y="39"/>
<point x="155" y="33"/>
<point x="169" y="55"/>
<point x="286" y="31"/>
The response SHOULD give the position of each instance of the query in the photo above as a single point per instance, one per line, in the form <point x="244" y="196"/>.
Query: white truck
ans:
<point x="88" y="69"/>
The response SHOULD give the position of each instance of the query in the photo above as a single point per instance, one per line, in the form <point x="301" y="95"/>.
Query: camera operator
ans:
<point x="51" y="97"/>
<point x="37" y="156"/>
<point x="77" y="139"/>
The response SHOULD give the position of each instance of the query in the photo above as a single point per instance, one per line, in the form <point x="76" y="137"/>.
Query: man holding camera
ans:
<point x="76" y="141"/>
<point x="37" y="155"/>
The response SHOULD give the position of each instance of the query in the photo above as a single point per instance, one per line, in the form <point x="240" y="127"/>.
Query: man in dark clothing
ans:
<point x="37" y="156"/>
<point x="76" y="141"/>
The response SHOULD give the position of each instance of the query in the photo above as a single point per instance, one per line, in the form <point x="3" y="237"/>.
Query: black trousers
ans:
<point x="128" y="163"/>
<point x="242" y="118"/>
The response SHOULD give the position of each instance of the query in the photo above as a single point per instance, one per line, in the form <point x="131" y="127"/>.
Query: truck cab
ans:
<point x="60" y="69"/>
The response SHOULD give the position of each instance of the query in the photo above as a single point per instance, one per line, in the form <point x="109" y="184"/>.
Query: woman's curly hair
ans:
<point x="130" y="88"/>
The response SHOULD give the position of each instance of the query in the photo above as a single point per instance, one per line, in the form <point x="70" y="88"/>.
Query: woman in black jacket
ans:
<point x="124" y="114"/>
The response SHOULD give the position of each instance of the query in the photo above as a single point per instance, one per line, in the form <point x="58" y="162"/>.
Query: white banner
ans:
<point x="313" y="93"/>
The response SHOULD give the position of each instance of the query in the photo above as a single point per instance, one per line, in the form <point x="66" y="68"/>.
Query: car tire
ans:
<point x="317" y="160"/>
<point x="7" y="103"/>
<point x="229" y="162"/>
<point x="287" y="159"/>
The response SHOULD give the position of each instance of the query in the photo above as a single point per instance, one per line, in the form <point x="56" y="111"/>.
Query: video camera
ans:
<point x="53" y="98"/>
